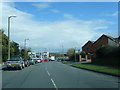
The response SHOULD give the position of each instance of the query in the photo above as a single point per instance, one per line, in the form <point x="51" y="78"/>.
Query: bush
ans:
<point x="107" y="55"/>
<point x="72" y="57"/>
<point x="82" y="53"/>
<point x="107" y="51"/>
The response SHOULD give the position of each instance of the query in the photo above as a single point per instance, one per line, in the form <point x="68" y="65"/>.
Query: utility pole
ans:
<point x="75" y="54"/>
<point x="9" y="36"/>
<point x="25" y="44"/>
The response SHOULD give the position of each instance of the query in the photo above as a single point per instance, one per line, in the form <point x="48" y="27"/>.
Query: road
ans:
<point x="56" y="75"/>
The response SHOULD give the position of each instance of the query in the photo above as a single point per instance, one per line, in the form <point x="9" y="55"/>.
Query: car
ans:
<point x="31" y="61"/>
<point x="52" y="58"/>
<point x="26" y="62"/>
<point x="15" y="62"/>
<point x="46" y="59"/>
<point x="59" y="60"/>
<point x="38" y="60"/>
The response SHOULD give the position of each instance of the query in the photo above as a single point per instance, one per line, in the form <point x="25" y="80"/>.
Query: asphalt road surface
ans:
<point x="56" y="75"/>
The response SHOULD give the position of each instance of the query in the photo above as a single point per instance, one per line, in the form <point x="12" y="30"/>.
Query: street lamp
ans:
<point x="75" y="54"/>
<point x="9" y="36"/>
<point x="25" y="44"/>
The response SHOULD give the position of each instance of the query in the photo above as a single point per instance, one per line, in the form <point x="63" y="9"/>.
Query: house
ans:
<point x="92" y="47"/>
<point x="104" y="40"/>
<point x="41" y="55"/>
<point x="88" y="47"/>
<point x="32" y="54"/>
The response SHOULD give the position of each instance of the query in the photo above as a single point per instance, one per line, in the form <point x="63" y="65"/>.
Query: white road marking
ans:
<point x="52" y="79"/>
<point x="54" y="84"/>
<point x="48" y="73"/>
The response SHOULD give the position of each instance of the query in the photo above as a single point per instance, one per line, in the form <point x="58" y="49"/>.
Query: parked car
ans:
<point x="38" y="60"/>
<point x="59" y="60"/>
<point x="26" y="62"/>
<point x="15" y="62"/>
<point x="31" y="61"/>
<point x="41" y="60"/>
<point x="46" y="59"/>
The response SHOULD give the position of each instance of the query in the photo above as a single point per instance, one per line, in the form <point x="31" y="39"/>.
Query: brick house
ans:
<point x="91" y="47"/>
<point x="88" y="47"/>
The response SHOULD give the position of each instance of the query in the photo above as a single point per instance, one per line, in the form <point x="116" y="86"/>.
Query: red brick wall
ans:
<point x="103" y="40"/>
<point x="92" y="47"/>
<point x="87" y="47"/>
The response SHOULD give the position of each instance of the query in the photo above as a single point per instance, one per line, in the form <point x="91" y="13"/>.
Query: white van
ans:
<point x="52" y="58"/>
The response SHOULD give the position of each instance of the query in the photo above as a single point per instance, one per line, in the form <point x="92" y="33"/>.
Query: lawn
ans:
<point x="66" y="62"/>
<point x="104" y="69"/>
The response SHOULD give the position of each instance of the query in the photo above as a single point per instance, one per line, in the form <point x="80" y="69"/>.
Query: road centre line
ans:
<point x="54" y="84"/>
<point x="52" y="79"/>
<point x="48" y="73"/>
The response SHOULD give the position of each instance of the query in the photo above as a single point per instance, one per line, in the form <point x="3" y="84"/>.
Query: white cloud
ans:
<point x="49" y="34"/>
<point x="112" y="14"/>
<point x="69" y="16"/>
<point x="103" y="27"/>
<point x="41" y="5"/>
<point x="115" y="13"/>
<point x="55" y="11"/>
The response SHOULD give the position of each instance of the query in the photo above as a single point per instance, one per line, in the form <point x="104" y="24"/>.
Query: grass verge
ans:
<point x="66" y="62"/>
<point x="107" y="70"/>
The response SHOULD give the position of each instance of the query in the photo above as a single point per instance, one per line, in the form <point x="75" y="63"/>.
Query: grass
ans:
<point x="66" y="62"/>
<point x="104" y="69"/>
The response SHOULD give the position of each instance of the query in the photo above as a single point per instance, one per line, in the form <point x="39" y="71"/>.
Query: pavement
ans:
<point x="56" y="75"/>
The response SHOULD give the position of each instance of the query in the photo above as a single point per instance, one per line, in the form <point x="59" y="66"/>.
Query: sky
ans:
<point x="58" y="26"/>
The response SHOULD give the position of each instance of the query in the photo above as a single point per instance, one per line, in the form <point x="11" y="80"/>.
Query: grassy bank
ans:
<point x="103" y="69"/>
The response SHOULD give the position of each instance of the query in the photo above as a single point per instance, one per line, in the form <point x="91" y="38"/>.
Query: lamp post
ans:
<point x="25" y="44"/>
<point x="9" y="36"/>
<point x="75" y="54"/>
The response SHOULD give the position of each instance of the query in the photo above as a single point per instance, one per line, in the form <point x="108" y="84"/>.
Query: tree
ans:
<point x="24" y="54"/>
<point x="4" y="46"/>
<point x="14" y="47"/>
<point x="71" y="51"/>
<point x="82" y="53"/>
<point x="71" y="54"/>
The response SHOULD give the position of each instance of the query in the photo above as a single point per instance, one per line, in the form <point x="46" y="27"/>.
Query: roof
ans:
<point x="88" y="42"/>
<point x="107" y="36"/>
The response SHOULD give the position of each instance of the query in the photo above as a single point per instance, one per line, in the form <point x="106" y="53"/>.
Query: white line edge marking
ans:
<point x="54" y="84"/>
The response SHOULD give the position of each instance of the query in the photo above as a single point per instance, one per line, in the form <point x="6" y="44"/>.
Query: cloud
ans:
<point x="41" y="5"/>
<point x="49" y="34"/>
<point x="115" y="14"/>
<point x="68" y="16"/>
<point x="55" y="11"/>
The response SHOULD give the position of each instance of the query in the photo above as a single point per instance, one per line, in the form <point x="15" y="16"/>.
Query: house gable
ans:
<point x="88" y="47"/>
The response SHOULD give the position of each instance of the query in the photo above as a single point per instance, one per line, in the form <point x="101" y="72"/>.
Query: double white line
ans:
<point x="52" y="80"/>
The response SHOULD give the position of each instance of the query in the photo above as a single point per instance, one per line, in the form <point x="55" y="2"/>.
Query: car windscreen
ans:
<point x="14" y="59"/>
<point x="30" y="59"/>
